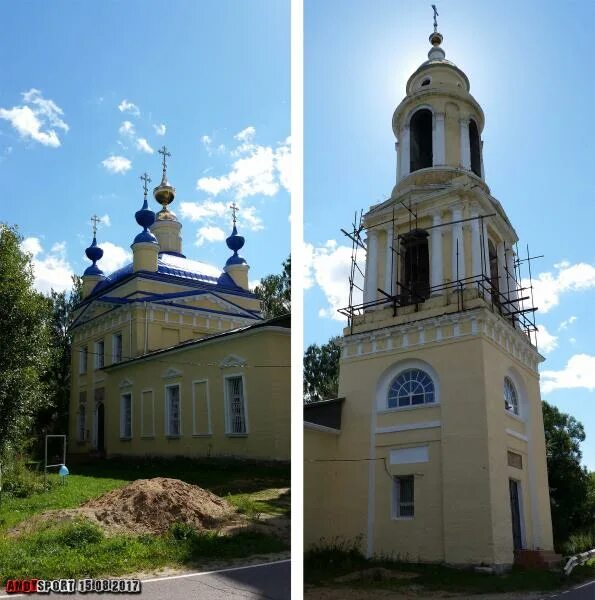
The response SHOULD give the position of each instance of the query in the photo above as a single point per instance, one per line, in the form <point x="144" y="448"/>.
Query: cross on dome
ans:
<point x="435" y="15"/>
<point x="234" y="210"/>
<point x="95" y="220"/>
<point x="146" y="180"/>
<point x="163" y="151"/>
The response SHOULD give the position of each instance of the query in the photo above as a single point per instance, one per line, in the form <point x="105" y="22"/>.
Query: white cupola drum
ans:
<point x="438" y="124"/>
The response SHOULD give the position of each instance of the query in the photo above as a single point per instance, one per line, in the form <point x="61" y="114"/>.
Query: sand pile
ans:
<point x="153" y="505"/>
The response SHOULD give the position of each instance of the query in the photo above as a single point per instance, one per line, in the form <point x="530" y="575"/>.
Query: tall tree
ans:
<point x="275" y="292"/>
<point x="321" y="371"/>
<point x="24" y="342"/>
<point x="54" y="417"/>
<point x="570" y="485"/>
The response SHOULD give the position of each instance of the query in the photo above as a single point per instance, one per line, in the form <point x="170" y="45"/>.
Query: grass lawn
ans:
<point x="79" y="549"/>
<point x="328" y="567"/>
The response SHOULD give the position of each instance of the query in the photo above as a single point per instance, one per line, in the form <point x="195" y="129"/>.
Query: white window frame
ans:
<point x="396" y="503"/>
<point x="81" y="423"/>
<point x="99" y="355"/>
<point x="167" y="410"/>
<point x="115" y="357"/>
<point x="83" y="359"/>
<point x="209" y="430"/>
<point x="144" y="434"/>
<point x="123" y="433"/>
<point x="228" y="430"/>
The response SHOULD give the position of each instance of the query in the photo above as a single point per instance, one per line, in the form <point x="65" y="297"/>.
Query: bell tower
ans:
<point x="440" y="453"/>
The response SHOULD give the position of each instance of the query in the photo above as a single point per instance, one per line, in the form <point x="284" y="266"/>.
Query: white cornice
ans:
<point x="482" y="323"/>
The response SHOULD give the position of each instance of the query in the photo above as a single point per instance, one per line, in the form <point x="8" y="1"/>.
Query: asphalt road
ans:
<point x="585" y="591"/>
<point x="270" y="581"/>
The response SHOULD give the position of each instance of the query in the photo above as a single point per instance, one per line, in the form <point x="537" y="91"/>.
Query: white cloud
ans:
<point x="548" y="286"/>
<point x="246" y="135"/>
<point x="564" y="324"/>
<point x="546" y="342"/>
<point x="328" y="267"/>
<point x="253" y="283"/>
<point x="209" y="234"/>
<point x="127" y="128"/>
<point x="160" y="129"/>
<point x="37" y="119"/>
<point x="143" y="145"/>
<point x="105" y="220"/>
<point x="52" y="269"/>
<point x="258" y="170"/>
<point x="206" y="140"/>
<point x="203" y="210"/>
<point x="130" y="107"/>
<point x="579" y="372"/>
<point x="117" y="164"/>
<point x="114" y="257"/>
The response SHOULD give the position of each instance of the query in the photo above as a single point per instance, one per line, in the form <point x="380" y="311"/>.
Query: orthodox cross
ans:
<point x="146" y="180"/>
<point x="234" y="210"/>
<point x="435" y="15"/>
<point x="95" y="219"/>
<point x="165" y="154"/>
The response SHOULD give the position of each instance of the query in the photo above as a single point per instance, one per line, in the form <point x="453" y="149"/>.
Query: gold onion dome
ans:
<point x="164" y="193"/>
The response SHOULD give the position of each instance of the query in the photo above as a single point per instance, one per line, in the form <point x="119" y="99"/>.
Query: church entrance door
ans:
<point x="515" y="509"/>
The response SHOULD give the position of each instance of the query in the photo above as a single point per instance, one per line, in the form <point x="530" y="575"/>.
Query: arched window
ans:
<point x="511" y="398"/>
<point x="475" y="147"/>
<point x="411" y="387"/>
<point x="421" y="140"/>
<point x="494" y="279"/>
<point x="415" y="267"/>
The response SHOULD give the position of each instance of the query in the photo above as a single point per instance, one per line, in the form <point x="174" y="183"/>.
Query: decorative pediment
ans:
<point x="126" y="383"/>
<point x="171" y="373"/>
<point x="233" y="360"/>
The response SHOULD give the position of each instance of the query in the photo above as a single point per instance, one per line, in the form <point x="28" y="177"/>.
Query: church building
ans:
<point x="434" y="450"/>
<point x="172" y="356"/>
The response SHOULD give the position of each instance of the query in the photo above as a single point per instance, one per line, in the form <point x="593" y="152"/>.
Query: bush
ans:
<point x="182" y="531"/>
<point x="336" y="554"/>
<point x="18" y="481"/>
<point x="78" y="534"/>
<point x="579" y="542"/>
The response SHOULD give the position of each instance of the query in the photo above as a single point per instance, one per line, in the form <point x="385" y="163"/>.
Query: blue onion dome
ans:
<point x="145" y="217"/>
<point x="235" y="242"/>
<point x="94" y="253"/>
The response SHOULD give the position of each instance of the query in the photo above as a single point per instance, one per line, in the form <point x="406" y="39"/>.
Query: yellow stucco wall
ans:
<point x="266" y="385"/>
<point x="462" y="506"/>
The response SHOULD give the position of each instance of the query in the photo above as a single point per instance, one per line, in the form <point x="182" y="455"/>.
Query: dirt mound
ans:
<point x="153" y="505"/>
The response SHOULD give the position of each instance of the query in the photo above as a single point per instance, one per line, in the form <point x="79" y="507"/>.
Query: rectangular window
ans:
<point x="126" y="416"/>
<point x="200" y="408"/>
<point x="82" y="423"/>
<point x="99" y="354"/>
<point x="236" y="410"/>
<point x="172" y="404"/>
<point x="403" y="497"/>
<point x="147" y="414"/>
<point x="117" y="348"/>
<point x="83" y="354"/>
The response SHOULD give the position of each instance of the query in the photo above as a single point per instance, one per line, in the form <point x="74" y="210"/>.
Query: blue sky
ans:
<point x="530" y="67"/>
<point x="88" y="93"/>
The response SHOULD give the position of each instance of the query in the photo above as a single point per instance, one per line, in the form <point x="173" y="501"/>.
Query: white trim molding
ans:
<point x="410" y="426"/>
<point x="517" y="435"/>
<point x="322" y="428"/>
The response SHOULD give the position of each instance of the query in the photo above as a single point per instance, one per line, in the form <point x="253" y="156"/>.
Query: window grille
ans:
<point x="173" y="410"/>
<point x="411" y="388"/>
<point x="126" y="416"/>
<point x="404" y="497"/>
<point x="236" y="409"/>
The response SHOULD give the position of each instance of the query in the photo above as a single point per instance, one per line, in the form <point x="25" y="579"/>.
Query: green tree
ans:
<point x="275" y="292"/>
<point x="571" y="487"/>
<point x="24" y="342"/>
<point x="321" y="371"/>
<point x="53" y="418"/>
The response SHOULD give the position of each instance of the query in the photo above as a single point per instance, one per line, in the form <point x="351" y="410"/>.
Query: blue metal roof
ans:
<point x="178" y="267"/>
